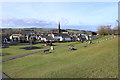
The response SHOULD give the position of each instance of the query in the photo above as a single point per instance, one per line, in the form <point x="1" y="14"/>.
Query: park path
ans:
<point x="19" y="56"/>
<point x="5" y="77"/>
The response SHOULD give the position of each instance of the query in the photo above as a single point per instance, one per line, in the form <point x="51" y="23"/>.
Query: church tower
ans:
<point x="59" y="30"/>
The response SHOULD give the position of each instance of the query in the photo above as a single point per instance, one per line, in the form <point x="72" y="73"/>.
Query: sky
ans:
<point x="75" y="15"/>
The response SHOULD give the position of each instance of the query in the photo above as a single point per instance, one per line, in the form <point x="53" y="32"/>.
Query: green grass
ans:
<point x="95" y="61"/>
<point x="15" y="50"/>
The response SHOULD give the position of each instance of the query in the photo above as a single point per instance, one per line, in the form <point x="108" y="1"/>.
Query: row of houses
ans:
<point x="55" y="35"/>
<point x="47" y="37"/>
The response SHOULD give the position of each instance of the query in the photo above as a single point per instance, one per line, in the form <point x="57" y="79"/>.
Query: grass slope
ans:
<point x="15" y="50"/>
<point x="95" y="61"/>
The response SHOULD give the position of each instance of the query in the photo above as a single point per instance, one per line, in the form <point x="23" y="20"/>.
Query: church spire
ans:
<point x="59" y="28"/>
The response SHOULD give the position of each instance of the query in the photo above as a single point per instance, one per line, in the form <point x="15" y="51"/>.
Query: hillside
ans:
<point x="37" y="30"/>
<point x="98" y="60"/>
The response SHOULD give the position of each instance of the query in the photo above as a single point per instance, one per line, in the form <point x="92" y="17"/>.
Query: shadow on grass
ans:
<point x="85" y="46"/>
<point x="47" y="52"/>
<point x="31" y="48"/>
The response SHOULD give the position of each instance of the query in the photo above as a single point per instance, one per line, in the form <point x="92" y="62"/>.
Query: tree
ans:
<point x="105" y="30"/>
<point x="108" y="30"/>
<point x="101" y="30"/>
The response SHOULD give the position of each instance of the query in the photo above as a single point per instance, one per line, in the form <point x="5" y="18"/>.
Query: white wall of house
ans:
<point x="93" y="37"/>
<point x="65" y="39"/>
<point x="55" y="37"/>
<point x="27" y="37"/>
<point x="10" y="37"/>
<point x="61" y="39"/>
<point x="86" y="37"/>
<point x="38" y="38"/>
<point x="15" y="37"/>
<point x="31" y="37"/>
<point x="68" y="39"/>
<point x="43" y="39"/>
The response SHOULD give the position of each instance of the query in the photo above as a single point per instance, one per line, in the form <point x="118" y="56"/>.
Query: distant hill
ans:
<point x="38" y="30"/>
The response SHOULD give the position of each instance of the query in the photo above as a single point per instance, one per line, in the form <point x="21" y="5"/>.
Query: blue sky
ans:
<point x="68" y="13"/>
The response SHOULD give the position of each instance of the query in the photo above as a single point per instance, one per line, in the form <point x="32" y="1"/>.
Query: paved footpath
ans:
<point x="5" y="77"/>
<point x="19" y="56"/>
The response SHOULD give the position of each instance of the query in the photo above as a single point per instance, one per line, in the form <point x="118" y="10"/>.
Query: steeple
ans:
<point x="59" y="28"/>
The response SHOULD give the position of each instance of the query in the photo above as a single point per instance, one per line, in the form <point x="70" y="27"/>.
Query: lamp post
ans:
<point x="118" y="26"/>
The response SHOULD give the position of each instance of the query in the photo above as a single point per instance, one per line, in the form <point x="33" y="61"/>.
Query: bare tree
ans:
<point x="101" y="30"/>
<point x="105" y="30"/>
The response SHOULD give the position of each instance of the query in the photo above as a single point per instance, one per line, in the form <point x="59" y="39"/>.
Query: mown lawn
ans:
<point x="99" y="60"/>
<point x="16" y="50"/>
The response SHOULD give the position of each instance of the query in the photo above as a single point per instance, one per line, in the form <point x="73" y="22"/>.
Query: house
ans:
<point x="46" y="38"/>
<point x="65" y="37"/>
<point x="80" y="37"/>
<point x="17" y="37"/>
<point x="55" y="36"/>
<point x="61" y="37"/>
<point x="5" y="38"/>
<point x="31" y="37"/>
<point x="73" y="36"/>
<point x="93" y="37"/>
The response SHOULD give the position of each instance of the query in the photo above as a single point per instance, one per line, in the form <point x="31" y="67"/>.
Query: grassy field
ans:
<point x="99" y="60"/>
<point x="16" y="50"/>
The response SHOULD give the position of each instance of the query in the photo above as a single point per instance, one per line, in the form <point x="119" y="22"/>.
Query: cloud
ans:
<point x="34" y="23"/>
<point x="23" y="23"/>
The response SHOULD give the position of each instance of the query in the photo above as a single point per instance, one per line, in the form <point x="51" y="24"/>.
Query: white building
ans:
<point x="17" y="37"/>
<point x="61" y="37"/>
<point x="46" y="38"/>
